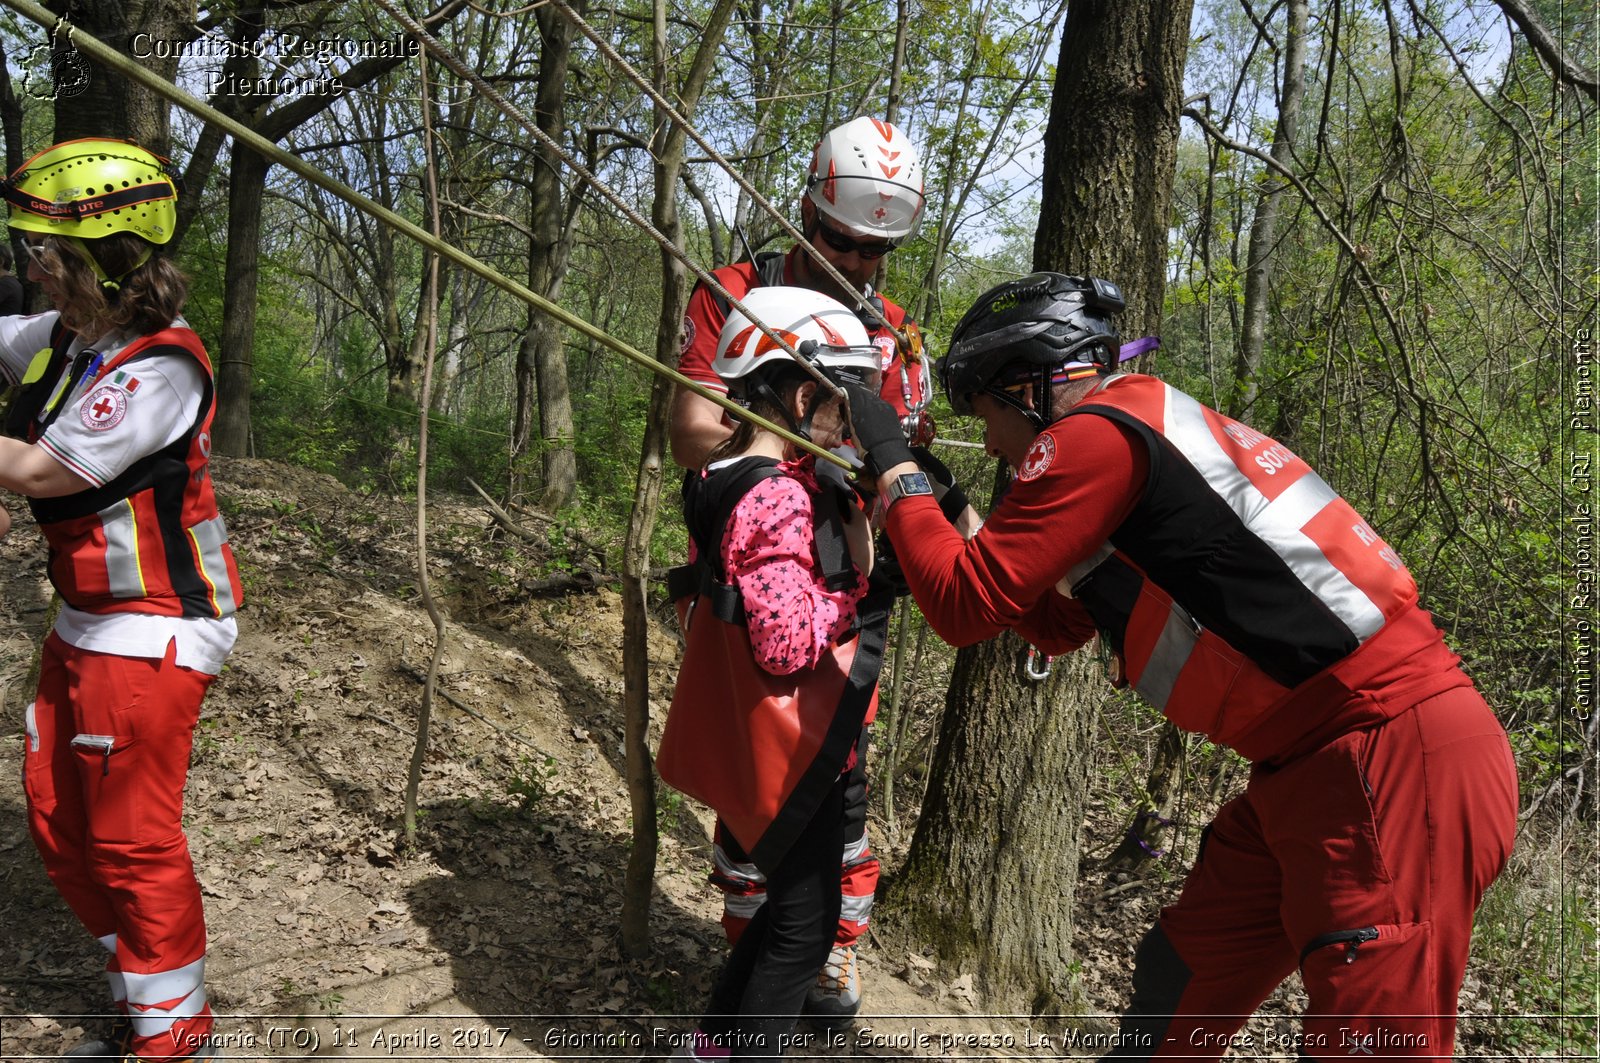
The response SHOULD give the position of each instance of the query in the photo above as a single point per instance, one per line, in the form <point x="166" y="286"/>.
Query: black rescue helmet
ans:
<point x="1043" y="322"/>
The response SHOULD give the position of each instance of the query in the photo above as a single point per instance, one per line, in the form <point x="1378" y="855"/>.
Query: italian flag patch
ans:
<point x="127" y="383"/>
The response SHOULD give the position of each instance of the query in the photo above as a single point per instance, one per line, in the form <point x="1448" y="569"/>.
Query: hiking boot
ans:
<point x="836" y="998"/>
<point x="114" y="1045"/>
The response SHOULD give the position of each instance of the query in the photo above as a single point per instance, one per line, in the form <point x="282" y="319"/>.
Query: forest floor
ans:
<point x="496" y="935"/>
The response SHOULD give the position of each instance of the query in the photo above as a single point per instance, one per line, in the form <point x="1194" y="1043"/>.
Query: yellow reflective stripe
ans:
<point x="36" y="368"/>
<point x="123" y="573"/>
<point x="208" y="537"/>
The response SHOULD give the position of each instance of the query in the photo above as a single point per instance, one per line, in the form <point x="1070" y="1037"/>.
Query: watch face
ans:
<point x="912" y="483"/>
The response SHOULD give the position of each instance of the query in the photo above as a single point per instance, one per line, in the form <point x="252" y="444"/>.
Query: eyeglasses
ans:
<point x="38" y="253"/>
<point x="846" y="244"/>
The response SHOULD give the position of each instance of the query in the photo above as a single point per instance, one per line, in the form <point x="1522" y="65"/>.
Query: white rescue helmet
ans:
<point x="866" y="176"/>
<point x="819" y="328"/>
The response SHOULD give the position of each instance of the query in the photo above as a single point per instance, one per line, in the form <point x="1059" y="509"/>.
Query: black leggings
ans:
<point x="763" y="985"/>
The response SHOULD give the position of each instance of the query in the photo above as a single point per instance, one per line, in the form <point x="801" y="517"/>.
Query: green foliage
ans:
<point x="1539" y="927"/>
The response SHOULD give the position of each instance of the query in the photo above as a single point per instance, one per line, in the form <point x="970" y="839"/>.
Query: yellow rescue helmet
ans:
<point x="93" y="188"/>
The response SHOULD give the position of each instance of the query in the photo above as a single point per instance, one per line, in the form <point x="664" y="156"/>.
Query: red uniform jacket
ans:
<point x="1247" y="600"/>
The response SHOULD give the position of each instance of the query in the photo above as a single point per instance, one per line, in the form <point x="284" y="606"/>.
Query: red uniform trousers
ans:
<point x="108" y="753"/>
<point x="744" y="887"/>
<point x="1362" y="865"/>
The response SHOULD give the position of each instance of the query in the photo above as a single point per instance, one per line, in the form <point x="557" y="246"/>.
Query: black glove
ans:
<point x="875" y="428"/>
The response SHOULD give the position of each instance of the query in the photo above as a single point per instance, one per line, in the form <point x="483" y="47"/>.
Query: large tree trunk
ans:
<point x="1111" y="146"/>
<point x="541" y="358"/>
<point x="989" y="878"/>
<point x="111" y="105"/>
<point x="1109" y="158"/>
<point x="993" y="865"/>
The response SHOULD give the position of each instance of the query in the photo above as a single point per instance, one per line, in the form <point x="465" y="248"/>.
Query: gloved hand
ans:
<point x="875" y="430"/>
<point x="829" y="473"/>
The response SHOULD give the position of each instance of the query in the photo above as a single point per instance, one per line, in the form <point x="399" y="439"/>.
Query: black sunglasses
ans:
<point x="846" y="244"/>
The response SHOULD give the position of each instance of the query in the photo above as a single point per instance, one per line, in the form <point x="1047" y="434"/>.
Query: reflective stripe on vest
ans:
<point x="123" y="571"/>
<point x="209" y="537"/>
<point x="1264" y="567"/>
<point x="1279" y="522"/>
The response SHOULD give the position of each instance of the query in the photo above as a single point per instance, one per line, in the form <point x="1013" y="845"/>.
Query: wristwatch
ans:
<point x="908" y="483"/>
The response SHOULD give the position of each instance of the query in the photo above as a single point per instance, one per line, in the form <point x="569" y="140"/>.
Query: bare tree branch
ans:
<point x="1566" y="69"/>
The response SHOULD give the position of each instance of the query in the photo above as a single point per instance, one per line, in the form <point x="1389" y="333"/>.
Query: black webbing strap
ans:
<point x="708" y="505"/>
<point x="769" y="274"/>
<point x="843" y="732"/>
<point x="833" y="552"/>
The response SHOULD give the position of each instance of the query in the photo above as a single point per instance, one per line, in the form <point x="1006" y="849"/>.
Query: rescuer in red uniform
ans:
<point x="109" y="438"/>
<point x="1250" y="603"/>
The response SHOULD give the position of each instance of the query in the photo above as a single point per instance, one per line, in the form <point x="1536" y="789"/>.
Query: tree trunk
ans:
<point x="111" y="105"/>
<point x="993" y="865"/>
<point x="989" y="877"/>
<point x="230" y="433"/>
<point x="1119" y="83"/>
<point x="541" y="358"/>
<point x="1111" y="146"/>
<point x="1264" y="229"/>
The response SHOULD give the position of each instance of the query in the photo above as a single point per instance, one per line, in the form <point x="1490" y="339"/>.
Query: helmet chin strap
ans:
<point x="1036" y="417"/>
<point x="111" y="285"/>
<point x="801" y="428"/>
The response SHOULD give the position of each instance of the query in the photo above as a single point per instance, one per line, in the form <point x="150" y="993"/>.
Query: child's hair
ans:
<point x="149" y="295"/>
<point x="783" y="379"/>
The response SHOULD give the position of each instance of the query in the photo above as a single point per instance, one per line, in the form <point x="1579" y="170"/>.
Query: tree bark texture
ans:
<point x="1110" y="153"/>
<point x="1111" y="145"/>
<point x="989" y="877"/>
<point x="541" y="359"/>
<point x="111" y="105"/>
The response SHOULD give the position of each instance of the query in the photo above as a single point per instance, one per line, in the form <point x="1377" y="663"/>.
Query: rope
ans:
<point x="510" y="110"/>
<point x="755" y="197"/>
<point x="114" y="60"/>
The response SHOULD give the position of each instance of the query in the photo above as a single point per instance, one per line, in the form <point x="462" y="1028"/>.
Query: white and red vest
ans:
<point x="1239" y="577"/>
<point x="151" y="540"/>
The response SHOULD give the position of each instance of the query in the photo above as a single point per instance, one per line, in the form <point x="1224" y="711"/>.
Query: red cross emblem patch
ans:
<point x="104" y="408"/>
<point x="1038" y="459"/>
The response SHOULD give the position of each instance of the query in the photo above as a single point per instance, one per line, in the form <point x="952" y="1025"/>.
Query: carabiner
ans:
<point x="1031" y="670"/>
